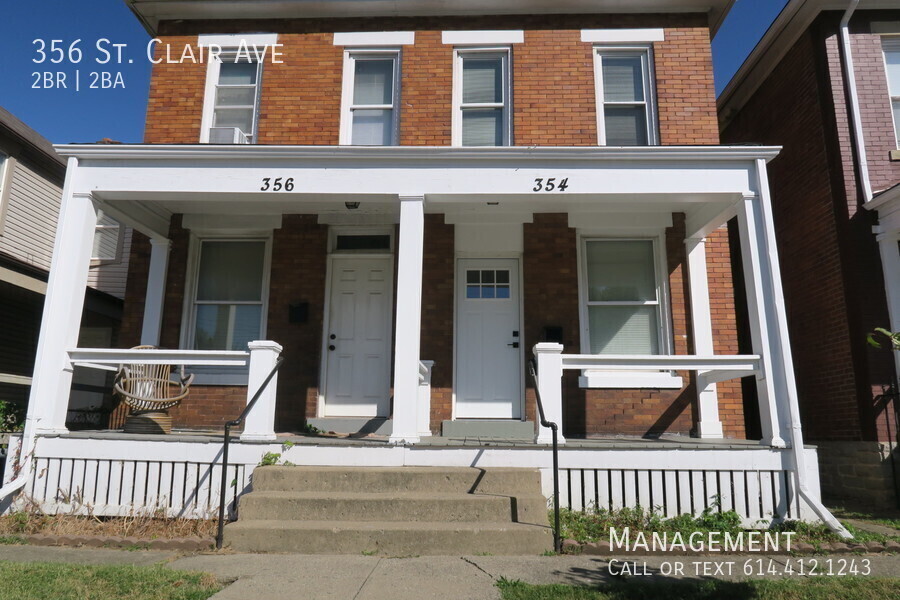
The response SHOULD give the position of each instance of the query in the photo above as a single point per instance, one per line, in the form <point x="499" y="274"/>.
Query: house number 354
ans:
<point x="550" y="184"/>
<point x="277" y="184"/>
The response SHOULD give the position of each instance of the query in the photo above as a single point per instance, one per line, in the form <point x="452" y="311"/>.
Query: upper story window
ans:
<point x="371" y="90"/>
<point x="626" y="112"/>
<point x="233" y="85"/>
<point x="892" y="66"/>
<point x="481" y="97"/>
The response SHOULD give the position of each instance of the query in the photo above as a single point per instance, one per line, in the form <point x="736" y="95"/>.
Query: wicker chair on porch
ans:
<point x="150" y="393"/>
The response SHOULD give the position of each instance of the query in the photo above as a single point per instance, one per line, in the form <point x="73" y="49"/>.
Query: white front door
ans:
<point x="358" y="338"/>
<point x="488" y="353"/>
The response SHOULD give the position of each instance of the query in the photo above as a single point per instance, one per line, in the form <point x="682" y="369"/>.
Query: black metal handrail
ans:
<point x="554" y="428"/>
<point x="227" y="439"/>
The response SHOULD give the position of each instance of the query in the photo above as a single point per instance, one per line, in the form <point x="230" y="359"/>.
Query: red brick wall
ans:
<point x="437" y="315"/>
<point x="829" y="263"/>
<point x="553" y="79"/>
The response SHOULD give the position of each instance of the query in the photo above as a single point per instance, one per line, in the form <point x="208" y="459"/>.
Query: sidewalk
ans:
<point x="286" y="576"/>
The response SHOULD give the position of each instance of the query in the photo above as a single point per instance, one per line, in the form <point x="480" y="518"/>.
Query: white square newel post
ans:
<point x="260" y="423"/>
<point x="48" y="402"/>
<point x="549" y="388"/>
<point x="408" y="323"/>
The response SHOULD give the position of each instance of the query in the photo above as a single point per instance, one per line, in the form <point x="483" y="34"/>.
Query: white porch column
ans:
<point x="408" y="322"/>
<point x="156" y="291"/>
<point x="760" y="304"/>
<point x="63" y="304"/>
<point x="549" y="381"/>
<point x="709" y="425"/>
<point x="890" y="263"/>
<point x="260" y="423"/>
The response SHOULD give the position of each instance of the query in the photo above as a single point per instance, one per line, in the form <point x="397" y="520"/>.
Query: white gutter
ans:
<point x="856" y="130"/>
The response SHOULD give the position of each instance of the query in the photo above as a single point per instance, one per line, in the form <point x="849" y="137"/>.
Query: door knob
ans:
<point x="332" y="336"/>
<point x="514" y="344"/>
<point x="331" y="347"/>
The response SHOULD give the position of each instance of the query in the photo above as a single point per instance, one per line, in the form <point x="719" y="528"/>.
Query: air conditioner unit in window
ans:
<point x="227" y="135"/>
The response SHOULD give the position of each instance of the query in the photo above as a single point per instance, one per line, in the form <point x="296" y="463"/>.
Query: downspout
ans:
<point x="856" y="130"/>
<point x="24" y="462"/>
<point x="796" y="430"/>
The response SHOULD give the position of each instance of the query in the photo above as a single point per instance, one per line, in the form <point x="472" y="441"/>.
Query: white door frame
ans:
<point x="326" y="313"/>
<point x="517" y="256"/>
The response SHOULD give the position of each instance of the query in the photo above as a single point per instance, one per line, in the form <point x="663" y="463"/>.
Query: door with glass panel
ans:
<point x="621" y="297"/>
<point x="227" y="311"/>
<point x="358" y="344"/>
<point x="488" y="340"/>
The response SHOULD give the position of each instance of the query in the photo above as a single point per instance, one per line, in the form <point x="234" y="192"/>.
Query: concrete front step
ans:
<point x="435" y="480"/>
<point x="389" y="538"/>
<point x="392" y="506"/>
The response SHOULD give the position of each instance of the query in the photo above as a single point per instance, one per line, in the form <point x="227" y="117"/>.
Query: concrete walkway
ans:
<point x="291" y="576"/>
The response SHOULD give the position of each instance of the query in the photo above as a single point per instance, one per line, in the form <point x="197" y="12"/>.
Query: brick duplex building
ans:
<point x="835" y="198"/>
<point x="410" y="202"/>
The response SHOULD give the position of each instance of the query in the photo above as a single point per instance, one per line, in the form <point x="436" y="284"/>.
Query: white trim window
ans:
<point x="481" y="97"/>
<point x="231" y="105"/>
<point x="621" y="297"/>
<point x="108" y="237"/>
<point x="626" y="111"/>
<point x="229" y="293"/>
<point x="891" y="46"/>
<point x="370" y="97"/>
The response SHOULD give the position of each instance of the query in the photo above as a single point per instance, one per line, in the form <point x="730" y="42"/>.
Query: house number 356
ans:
<point x="550" y="184"/>
<point x="277" y="184"/>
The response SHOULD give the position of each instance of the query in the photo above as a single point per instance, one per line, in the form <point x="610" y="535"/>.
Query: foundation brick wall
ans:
<point x="553" y="105"/>
<point x="858" y="474"/>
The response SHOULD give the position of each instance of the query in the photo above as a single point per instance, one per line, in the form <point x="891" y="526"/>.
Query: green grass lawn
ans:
<point x="824" y="588"/>
<point x="56" y="581"/>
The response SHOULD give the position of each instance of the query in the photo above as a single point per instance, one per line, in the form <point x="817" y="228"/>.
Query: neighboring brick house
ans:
<point x="837" y="222"/>
<point x="412" y="201"/>
<point x="31" y="180"/>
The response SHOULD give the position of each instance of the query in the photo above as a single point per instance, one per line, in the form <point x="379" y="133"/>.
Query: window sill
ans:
<point x="630" y="380"/>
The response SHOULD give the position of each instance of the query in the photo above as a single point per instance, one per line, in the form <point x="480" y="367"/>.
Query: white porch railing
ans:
<point x="258" y="359"/>
<point x="423" y="406"/>
<point x="551" y="363"/>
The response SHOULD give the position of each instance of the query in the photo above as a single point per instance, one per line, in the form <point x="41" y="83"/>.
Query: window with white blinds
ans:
<point x="621" y="295"/>
<point x="229" y="299"/>
<point x="481" y="112"/>
<point x="891" y="47"/>
<point x="370" y="98"/>
<point x="625" y="111"/>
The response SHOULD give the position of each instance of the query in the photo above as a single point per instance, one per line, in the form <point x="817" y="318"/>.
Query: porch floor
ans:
<point x="664" y="442"/>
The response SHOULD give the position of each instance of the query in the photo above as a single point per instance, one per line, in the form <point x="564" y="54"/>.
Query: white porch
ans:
<point x="610" y="189"/>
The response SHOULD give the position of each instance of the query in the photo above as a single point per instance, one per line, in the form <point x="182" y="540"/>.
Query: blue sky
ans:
<point x="64" y="115"/>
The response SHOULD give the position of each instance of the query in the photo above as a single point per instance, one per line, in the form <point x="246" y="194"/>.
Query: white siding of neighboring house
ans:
<point x="29" y="228"/>
<point x="29" y="225"/>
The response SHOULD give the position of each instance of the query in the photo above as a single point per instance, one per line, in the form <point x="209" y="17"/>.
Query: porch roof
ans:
<point x="143" y="185"/>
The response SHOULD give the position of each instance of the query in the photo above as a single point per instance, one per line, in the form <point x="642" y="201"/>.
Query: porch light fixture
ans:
<point x="351" y="205"/>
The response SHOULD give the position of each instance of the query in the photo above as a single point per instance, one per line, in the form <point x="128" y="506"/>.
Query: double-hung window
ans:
<point x="228" y="308"/>
<point x="481" y="97"/>
<point x="621" y="297"/>
<point x="370" y="112"/>
<point x="108" y="236"/>
<point x="231" y="109"/>
<point x="891" y="47"/>
<point x="626" y="114"/>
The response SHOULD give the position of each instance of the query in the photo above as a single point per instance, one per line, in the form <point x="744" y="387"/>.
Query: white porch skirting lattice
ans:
<point x="120" y="476"/>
